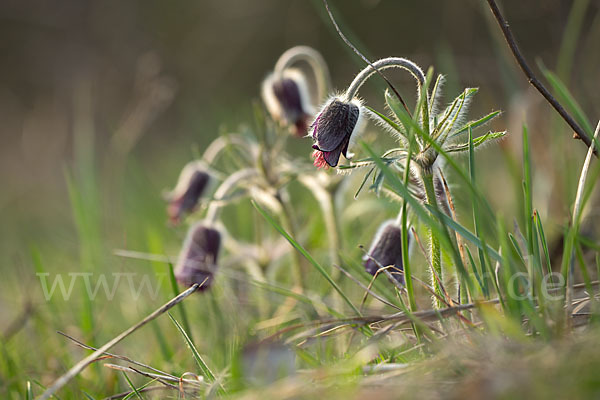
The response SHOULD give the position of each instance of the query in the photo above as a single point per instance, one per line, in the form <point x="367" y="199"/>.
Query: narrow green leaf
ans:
<point x="476" y="216"/>
<point x="306" y="255"/>
<point x="419" y="209"/>
<point x="145" y="385"/>
<point x="210" y="377"/>
<point x="477" y="123"/>
<point x="567" y="98"/>
<point x="131" y="385"/>
<point x="475" y="271"/>
<point x="540" y="229"/>
<point x="465" y="233"/>
<point x="362" y="184"/>
<point x="29" y="391"/>
<point x="181" y="307"/>
<point x="388" y="121"/>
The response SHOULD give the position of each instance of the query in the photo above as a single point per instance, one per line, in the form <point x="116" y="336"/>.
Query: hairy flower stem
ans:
<point x="316" y="62"/>
<point x="434" y="244"/>
<point x="288" y="225"/>
<point x="325" y="199"/>
<point x="384" y="63"/>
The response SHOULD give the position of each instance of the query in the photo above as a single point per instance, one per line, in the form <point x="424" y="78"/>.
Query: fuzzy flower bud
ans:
<point x="386" y="250"/>
<point x="192" y="183"/>
<point x="197" y="260"/>
<point x="334" y="129"/>
<point x="287" y="99"/>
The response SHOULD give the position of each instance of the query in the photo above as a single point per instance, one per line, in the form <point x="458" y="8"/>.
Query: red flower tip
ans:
<point x="319" y="159"/>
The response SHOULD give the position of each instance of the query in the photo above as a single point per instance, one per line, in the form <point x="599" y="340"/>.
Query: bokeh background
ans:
<point x="102" y="102"/>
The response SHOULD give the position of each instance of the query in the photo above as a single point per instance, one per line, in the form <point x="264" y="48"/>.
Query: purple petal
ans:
<point x="335" y="124"/>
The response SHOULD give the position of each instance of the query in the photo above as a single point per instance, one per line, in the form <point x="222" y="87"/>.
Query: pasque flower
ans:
<point x="191" y="185"/>
<point x="287" y="99"/>
<point x="386" y="250"/>
<point x="197" y="260"/>
<point x="337" y="124"/>
<point x="286" y="92"/>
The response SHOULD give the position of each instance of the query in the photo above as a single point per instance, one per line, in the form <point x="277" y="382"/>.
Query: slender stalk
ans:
<point x="223" y="142"/>
<point x="384" y="63"/>
<point x="403" y="220"/>
<point x="288" y="225"/>
<point x="325" y="200"/>
<point x="312" y="58"/>
<point x="224" y="189"/>
<point x="434" y="244"/>
<point x="510" y="40"/>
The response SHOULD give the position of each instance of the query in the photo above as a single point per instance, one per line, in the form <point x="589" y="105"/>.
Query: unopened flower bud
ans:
<point x="338" y="123"/>
<point x="386" y="250"/>
<point x="192" y="183"/>
<point x="197" y="260"/>
<point x="287" y="99"/>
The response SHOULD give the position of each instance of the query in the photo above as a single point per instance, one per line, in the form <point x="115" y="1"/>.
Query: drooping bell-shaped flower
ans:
<point x="197" y="260"/>
<point x="191" y="185"/>
<point x="336" y="126"/>
<point x="287" y="99"/>
<point x="386" y="250"/>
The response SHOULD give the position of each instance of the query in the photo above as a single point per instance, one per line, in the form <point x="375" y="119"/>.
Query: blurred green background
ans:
<point x="116" y="96"/>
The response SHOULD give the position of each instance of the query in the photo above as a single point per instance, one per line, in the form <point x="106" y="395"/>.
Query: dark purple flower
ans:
<point x="288" y="101"/>
<point x="333" y="130"/>
<point x="197" y="261"/>
<point x="191" y="184"/>
<point x="386" y="250"/>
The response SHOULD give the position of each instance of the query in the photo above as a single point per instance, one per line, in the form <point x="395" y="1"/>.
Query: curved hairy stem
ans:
<point x="314" y="59"/>
<point x="434" y="244"/>
<point x="288" y="224"/>
<point x="224" y="189"/>
<point x="221" y="143"/>
<point x="384" y="63"/>
<point x="326" y="203"/>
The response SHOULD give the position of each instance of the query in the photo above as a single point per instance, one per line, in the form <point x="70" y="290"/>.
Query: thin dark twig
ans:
<point x="510" y="40"/>
<point x="365" y="59"/>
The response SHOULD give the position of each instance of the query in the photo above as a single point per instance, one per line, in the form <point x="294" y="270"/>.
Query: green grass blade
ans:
<point x="540" y="229"/>
<point x="567" y="98"/>
<point x="468" y="235"/>
<point x="210" y="377"/>
<point x="132" y="386"/>
<point x="306" y="255"/>
<point x="181" y="307"/>
<point x="476" y="216"/>
<point x="29" y="391"/>
<point x="388" y="121"/>
<point x="571" y="34"/>
<point x="423" y="213"/>
<point x="145" y="385"/>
